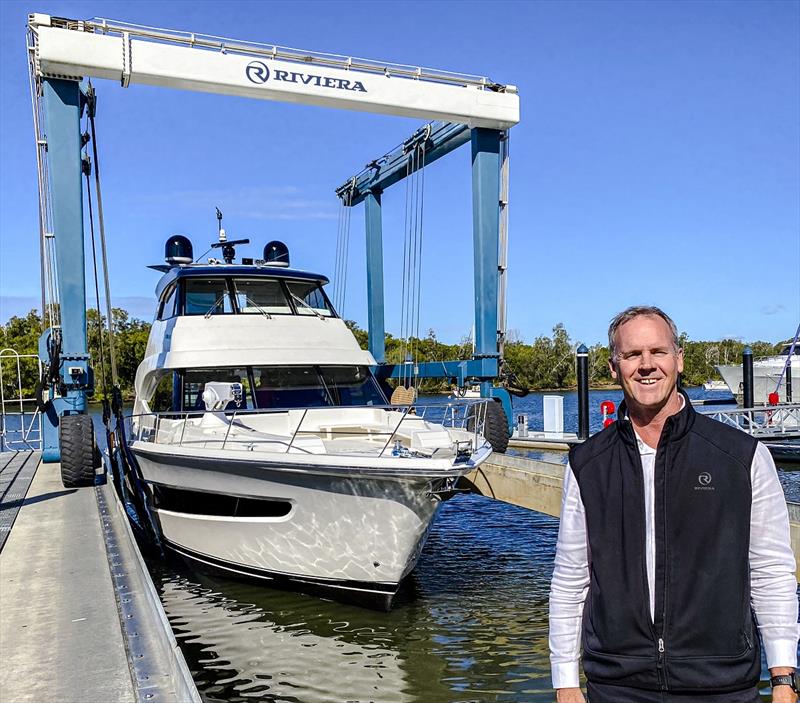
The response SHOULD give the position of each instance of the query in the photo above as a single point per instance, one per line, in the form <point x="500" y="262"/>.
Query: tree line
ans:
<point x="548" y="362"/>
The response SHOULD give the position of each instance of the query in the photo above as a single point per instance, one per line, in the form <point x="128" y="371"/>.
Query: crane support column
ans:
<point x="62" y="108"/>
<point x="486" y="162"/>
<point x="486" y="237"/>
<point x="372" y="216"/>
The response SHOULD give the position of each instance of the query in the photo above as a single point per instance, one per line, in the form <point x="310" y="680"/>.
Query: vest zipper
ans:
<point x="661" y="646"/>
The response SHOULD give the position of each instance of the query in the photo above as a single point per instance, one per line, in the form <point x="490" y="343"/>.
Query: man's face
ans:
<point x="647" y="364"/>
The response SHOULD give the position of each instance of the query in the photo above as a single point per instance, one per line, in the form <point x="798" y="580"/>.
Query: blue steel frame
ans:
<point x="441" y="139"/>
<point x="63" y="105"/>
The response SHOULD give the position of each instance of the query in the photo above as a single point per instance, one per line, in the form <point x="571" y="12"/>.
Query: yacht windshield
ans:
<point x="260" y="295"/>
<point x="312" y="298"/>
<point x="207" y="296"/>
<point x="268" y="387"/>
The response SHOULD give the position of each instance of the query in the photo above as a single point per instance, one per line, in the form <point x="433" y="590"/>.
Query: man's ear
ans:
<point x="680" y="360"/>
<point x="613" y="369"/>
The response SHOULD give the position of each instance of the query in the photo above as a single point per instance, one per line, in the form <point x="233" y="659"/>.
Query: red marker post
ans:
<point x="607" y="408"/>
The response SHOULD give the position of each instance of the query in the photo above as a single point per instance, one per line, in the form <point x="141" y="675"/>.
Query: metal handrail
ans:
<point x="473" y="411"/>
<point x="24" y="431"/>
<point x="767" y="420"/>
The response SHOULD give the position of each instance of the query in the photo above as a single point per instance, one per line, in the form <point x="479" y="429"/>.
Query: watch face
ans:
<point x="796" y="681"/>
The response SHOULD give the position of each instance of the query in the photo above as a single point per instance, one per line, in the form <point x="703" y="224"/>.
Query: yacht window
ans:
<point x="162" y="398"/>
<point x="352" y="385"/>
<point x="311" y="294"/>
<point x="289" y="387"/>
<point x="207" y="296"/>
<point x="260" y="295"/>
<point x="167" y="308"/>
<point x="194" y="383"/>
<point x="200" y="503"/>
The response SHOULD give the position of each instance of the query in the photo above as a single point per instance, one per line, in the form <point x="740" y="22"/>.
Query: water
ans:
<point x="471" y="627"/>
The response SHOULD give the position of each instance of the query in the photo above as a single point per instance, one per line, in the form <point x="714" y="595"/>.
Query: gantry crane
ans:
<point x="64" y="51"/>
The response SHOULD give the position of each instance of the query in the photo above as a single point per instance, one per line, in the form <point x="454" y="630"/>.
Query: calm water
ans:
<point x="470" y="627"/>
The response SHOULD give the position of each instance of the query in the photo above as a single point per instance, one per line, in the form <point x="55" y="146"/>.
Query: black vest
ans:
<point x="703" y="636"/>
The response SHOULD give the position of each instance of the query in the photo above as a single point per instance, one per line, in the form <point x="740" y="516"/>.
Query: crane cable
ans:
<point x="51" y="314"/>
<point x="411" y="299"/>
<point x="91" y="97"/>
<point x="343" y="247"/>
<point x="86" y="168"/>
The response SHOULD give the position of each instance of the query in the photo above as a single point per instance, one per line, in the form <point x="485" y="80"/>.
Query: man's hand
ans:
<point x="574" y="695"/>
<point x="780" y="694"/>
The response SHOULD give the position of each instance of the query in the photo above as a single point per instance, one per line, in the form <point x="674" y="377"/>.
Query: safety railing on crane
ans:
<point x="225" y="45"/>
<point x="20" y="419"/>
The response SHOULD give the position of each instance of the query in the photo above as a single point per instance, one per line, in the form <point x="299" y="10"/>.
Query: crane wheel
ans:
<point x="77" y="444"/>
<point x="495" y="429"/>
<point x="495" y="426"/>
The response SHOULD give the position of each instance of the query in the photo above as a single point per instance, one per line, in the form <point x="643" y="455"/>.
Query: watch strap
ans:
<point x="783" y="680"/>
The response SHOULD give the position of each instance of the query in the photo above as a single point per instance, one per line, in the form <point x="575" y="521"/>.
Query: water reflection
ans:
<point x="471" y="625"/>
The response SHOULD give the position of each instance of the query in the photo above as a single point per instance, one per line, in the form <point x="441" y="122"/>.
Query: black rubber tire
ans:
<point x="495" y="429"/>
<point x="76" y="441"/>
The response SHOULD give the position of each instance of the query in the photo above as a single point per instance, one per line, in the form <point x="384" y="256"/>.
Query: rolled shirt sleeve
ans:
<point x="568" y="587"/>
<point x="773" y="585"/>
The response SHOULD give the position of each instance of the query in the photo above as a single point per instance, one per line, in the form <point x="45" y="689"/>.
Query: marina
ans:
<point x="276" y="504"/>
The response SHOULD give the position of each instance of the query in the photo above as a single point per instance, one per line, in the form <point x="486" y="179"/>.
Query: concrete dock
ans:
<point x="81" y="618"/>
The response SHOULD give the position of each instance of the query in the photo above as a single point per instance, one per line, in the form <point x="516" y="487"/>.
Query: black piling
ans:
<point x="789" y="380"/>
<point x="747" y="378"/>
<point x="582" y="364"/>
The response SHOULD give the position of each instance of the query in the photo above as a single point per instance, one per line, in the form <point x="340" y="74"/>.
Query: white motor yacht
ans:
<point x="768" y="371"/>
<point x="265" y="443"/>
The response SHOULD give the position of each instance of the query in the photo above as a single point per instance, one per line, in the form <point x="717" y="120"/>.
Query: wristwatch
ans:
<point x="792" y="680"/>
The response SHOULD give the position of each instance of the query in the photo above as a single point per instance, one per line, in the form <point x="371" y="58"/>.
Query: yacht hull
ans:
<point x="353" y="531"/>
<point x="766" y="376"/>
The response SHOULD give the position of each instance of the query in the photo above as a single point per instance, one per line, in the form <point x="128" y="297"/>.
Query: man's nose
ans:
<point x="646" y="361"/>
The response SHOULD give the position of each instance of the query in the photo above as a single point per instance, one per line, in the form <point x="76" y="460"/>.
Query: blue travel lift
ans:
<point x="67" y="434"/>
<point x="441" y="139"/>
<point x="68" y="378"/>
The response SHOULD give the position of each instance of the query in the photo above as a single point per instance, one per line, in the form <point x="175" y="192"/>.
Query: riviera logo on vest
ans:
<point x="704" y="481"/>
<point x="258" y="72"/>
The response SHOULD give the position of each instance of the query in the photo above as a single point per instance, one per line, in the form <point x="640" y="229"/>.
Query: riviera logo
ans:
<point x="258" y="72"/>
<point x="704" y="481"/>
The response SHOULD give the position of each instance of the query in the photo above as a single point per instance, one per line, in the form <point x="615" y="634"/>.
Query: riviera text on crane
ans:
<point x="258" y="72"/>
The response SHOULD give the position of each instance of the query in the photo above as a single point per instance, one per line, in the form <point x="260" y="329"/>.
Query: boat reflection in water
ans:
<point x="470" y="624"/>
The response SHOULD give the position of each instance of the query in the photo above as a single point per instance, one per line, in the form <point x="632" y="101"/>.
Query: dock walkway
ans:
<point x="81" y="619"/>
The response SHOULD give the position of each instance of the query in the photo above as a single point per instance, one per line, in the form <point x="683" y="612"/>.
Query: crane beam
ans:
<point x="135" y="55"/>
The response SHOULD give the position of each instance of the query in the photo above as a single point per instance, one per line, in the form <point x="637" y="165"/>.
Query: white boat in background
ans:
<point x="715" y="386"/>
<point x="266" y="445"/>
<point x="767" y="373"/>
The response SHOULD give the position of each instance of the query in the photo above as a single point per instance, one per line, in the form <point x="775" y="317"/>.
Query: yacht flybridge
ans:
<point x="266" y="446"/>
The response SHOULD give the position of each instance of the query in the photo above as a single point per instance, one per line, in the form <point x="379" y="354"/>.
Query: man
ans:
<point x="673" y="550"/>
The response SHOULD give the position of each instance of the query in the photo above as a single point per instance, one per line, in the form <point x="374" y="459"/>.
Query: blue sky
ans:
<point x="657" y="160"/>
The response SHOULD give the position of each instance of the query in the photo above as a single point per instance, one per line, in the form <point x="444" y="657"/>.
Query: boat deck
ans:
<point x="81" y="619"/>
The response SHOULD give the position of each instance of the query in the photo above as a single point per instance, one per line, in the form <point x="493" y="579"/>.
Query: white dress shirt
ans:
<point x="772" y="568"/>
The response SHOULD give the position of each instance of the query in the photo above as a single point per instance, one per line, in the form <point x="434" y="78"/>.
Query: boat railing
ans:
<point x="377" y="430"/>
<point x="767" y="421"/>
<point x="20" y="419"/>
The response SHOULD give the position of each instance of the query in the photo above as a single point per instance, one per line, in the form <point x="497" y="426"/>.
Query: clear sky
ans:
<point x="657" y="160"/>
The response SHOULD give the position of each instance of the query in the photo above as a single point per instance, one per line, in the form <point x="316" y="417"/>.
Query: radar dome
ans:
<point x="276" y="254"/>
<point x="178" y="250"/>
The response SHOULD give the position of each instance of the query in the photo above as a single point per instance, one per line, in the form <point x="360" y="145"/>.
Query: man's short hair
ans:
<point x="629" y="314"/>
